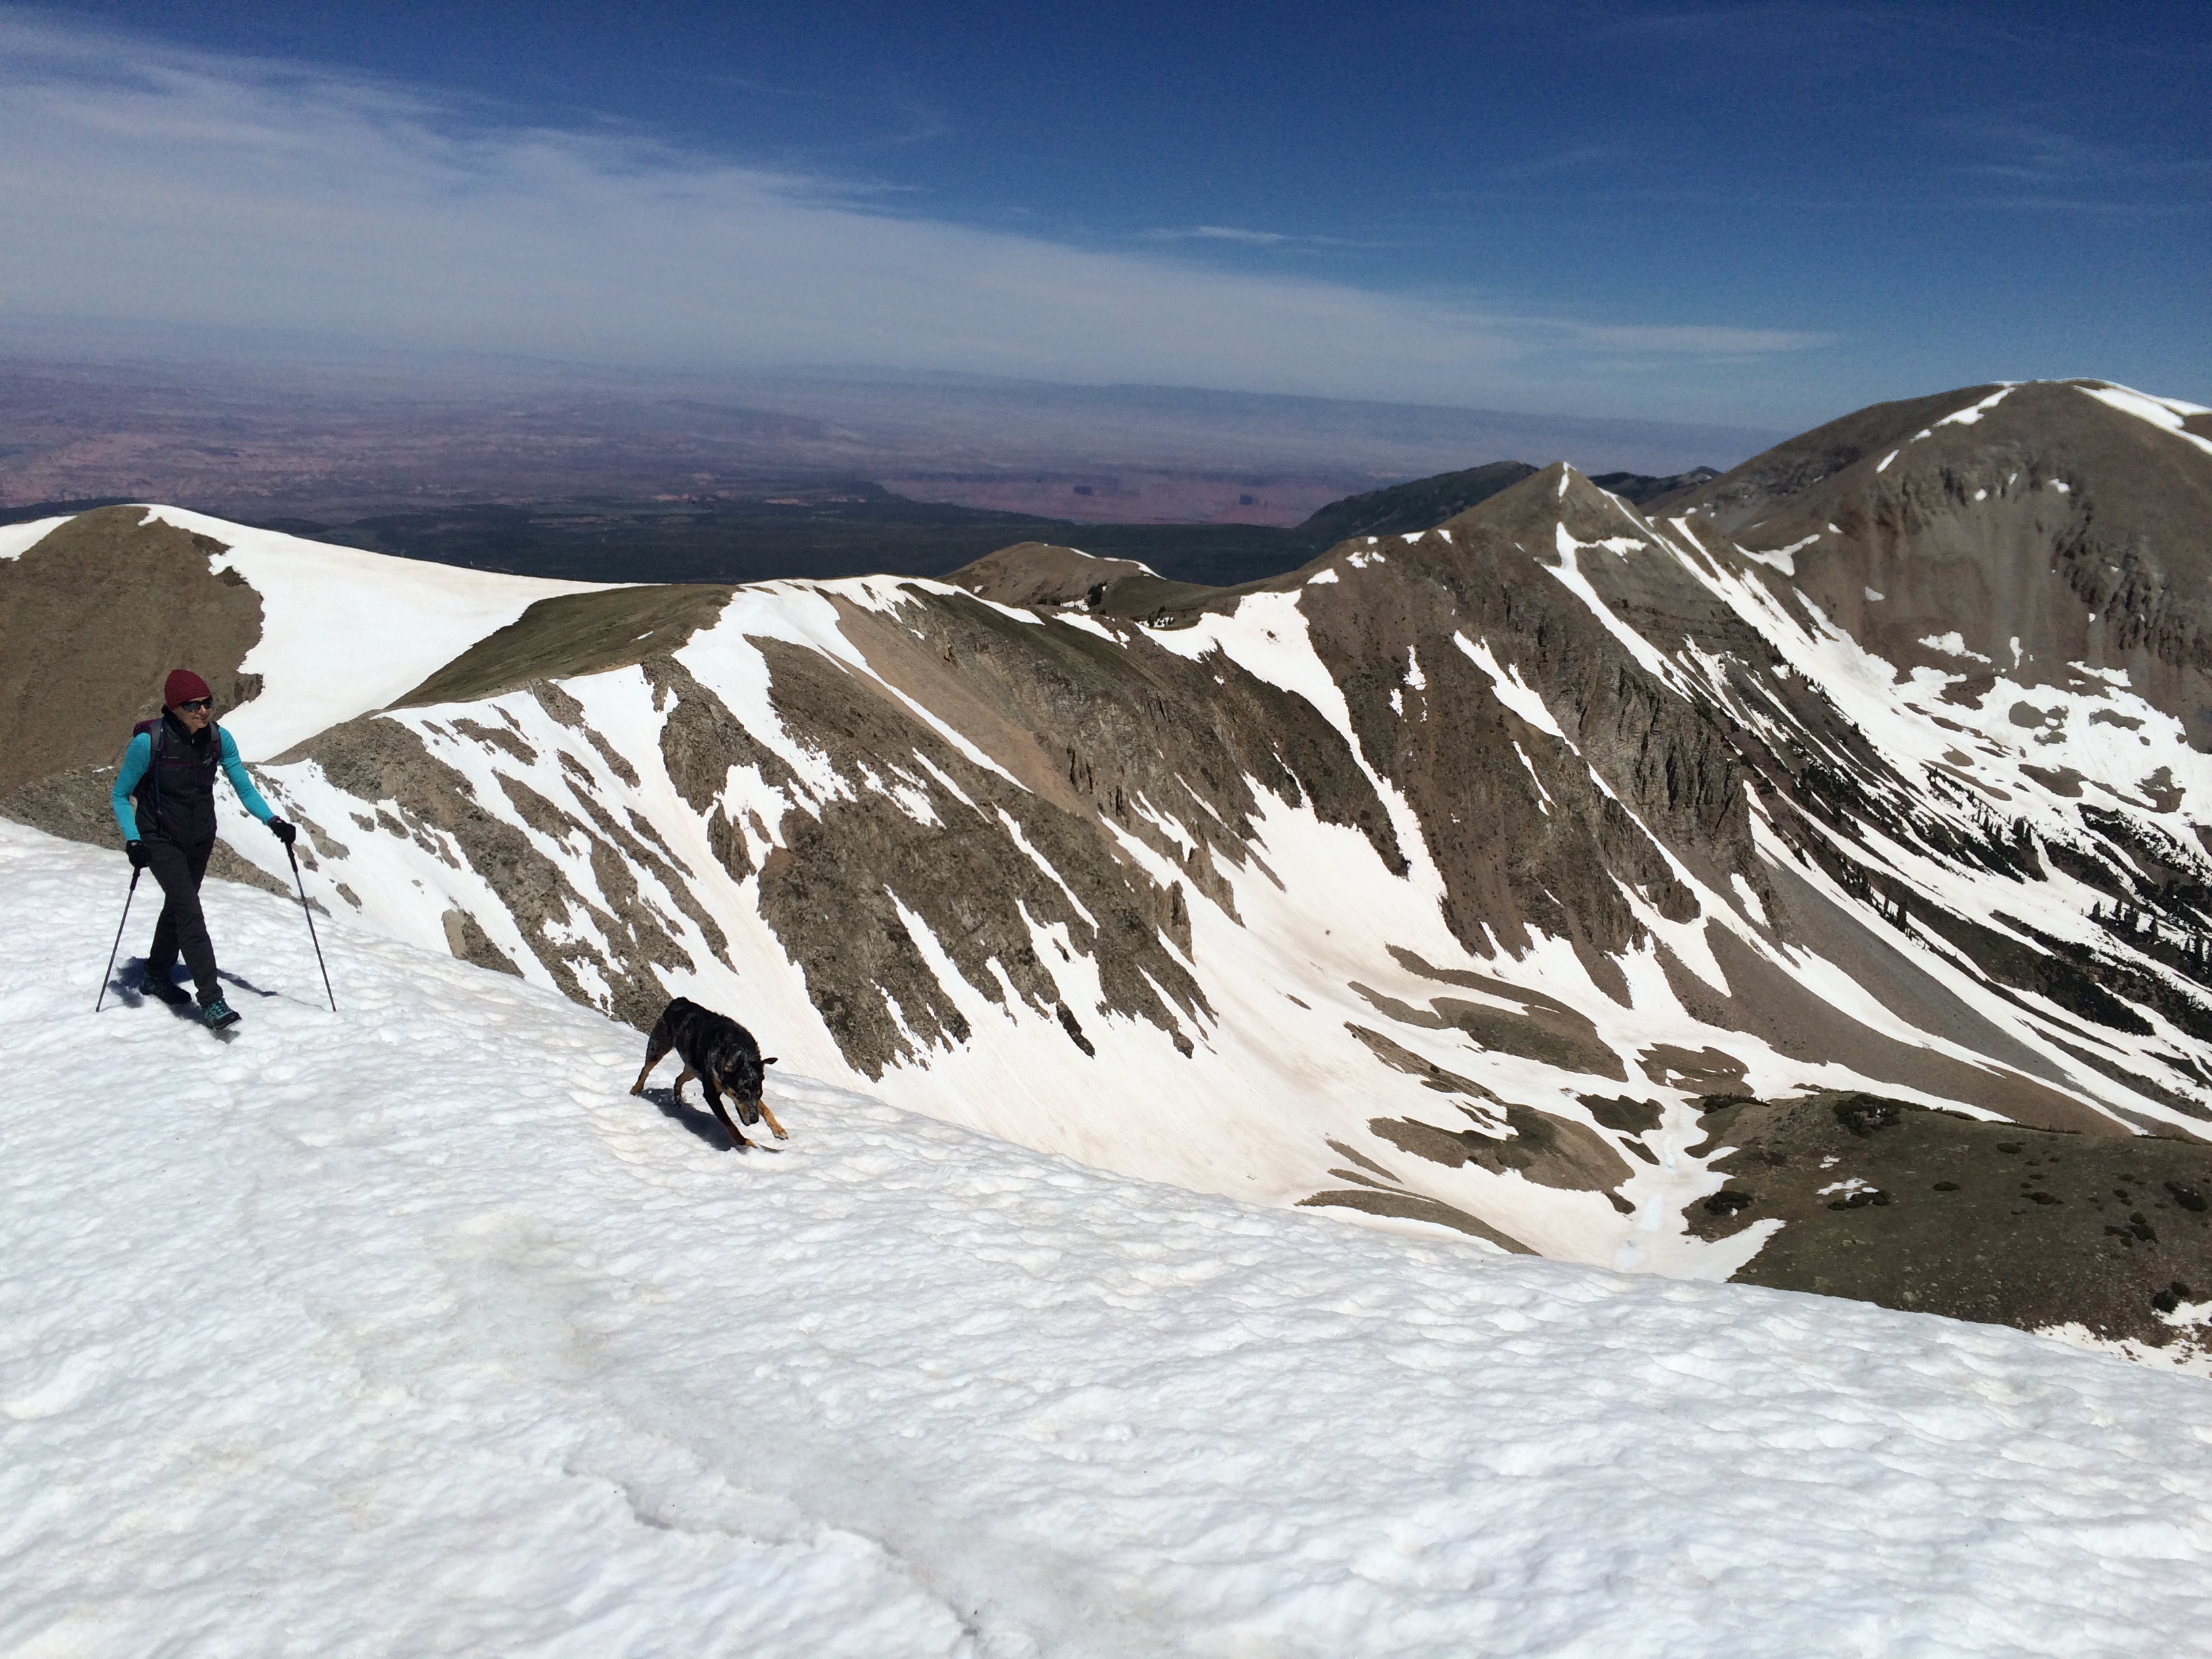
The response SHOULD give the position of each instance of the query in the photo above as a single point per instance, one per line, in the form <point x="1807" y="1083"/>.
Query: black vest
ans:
<point x="176" y="799"/>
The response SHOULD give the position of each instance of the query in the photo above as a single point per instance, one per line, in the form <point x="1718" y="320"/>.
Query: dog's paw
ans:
<point x="783" y="1135"/>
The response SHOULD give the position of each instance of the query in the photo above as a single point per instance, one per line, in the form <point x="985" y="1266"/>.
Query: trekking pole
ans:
<point x="307" y="910"/>
<point x="136" y="871"/>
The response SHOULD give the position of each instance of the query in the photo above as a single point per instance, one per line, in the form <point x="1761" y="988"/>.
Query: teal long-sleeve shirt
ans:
<point x="140" y="755"/>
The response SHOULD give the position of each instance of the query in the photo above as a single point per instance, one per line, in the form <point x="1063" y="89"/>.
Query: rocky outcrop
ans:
<point x="423" y="799"/>
<point x="74" y="804"/>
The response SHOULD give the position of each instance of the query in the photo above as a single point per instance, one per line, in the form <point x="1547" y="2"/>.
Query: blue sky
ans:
<point x="1764" y="214"/>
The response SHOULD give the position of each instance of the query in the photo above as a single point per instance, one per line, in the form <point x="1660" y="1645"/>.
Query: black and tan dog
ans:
<point x="721" y="1053"/>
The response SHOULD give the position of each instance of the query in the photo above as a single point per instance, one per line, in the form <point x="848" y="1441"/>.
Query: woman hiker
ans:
<point x="164" y="800"/>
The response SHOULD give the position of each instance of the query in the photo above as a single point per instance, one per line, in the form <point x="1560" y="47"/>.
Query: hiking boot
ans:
<point x="218" y="1016"/>
<point x="166" y="989"/>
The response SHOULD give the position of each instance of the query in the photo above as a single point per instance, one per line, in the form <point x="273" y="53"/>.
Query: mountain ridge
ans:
<point x="1462" y="876"/>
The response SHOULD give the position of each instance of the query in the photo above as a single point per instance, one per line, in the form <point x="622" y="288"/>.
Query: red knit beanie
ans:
<point x="182" y="686"/>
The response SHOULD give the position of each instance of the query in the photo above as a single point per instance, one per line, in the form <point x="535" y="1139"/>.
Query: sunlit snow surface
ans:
<point x="17" y="539"/>
<point x="407" y="1330"/>
<point x="344" y="631"/>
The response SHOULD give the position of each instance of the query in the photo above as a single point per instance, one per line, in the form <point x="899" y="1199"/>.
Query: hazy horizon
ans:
<point x="350" y="434"/>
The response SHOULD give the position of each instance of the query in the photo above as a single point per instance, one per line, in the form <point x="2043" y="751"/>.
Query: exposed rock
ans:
<point x="1974" y="1220"/>
<point x="701" y="740"/>
<point x="834" y="890"/>
<point x="1414" y="1206"/>
<point x="95" y="617"/>
<point x="1548" y="1149"/>
<point x="1544" y="1031"/>
<point x="465" y="938"/>
<point x="378" y="759"/>
<point x="1624" y="1115"/>
<point x="499" y="738"/>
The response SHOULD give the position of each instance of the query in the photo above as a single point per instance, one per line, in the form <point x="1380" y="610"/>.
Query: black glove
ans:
<point x="136" y="851"/>
<point x="285" y="832"/>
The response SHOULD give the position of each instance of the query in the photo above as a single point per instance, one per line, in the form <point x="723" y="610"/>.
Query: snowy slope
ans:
<point x="345" y="631"/>
<point x="407" y="1329"/>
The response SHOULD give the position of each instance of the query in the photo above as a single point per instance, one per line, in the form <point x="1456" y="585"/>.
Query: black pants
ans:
<point x="182" y="927"/>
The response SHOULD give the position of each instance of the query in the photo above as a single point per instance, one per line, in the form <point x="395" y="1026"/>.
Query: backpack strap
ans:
<point x="157" y="732"/>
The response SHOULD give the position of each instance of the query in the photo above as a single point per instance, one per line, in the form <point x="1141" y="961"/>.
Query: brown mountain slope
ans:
<point x="94" y="617"/>
<point x="2052" y="532"/>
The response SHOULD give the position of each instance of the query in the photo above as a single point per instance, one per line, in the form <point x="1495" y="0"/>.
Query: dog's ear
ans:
<point x="770" y="1061"/>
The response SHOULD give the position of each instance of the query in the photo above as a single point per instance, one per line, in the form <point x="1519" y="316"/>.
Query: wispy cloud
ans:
<point x="150" y="183"/>
<point x="2029" y="153"/>
<point x="1224" y="234"/>
<point x="2034" y="165"/>
<point x="1577" y="158"/>
<point x="1242" y="238"/>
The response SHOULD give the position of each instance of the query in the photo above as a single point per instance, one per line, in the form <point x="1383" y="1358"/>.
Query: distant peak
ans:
<point x="1043" y="572"/>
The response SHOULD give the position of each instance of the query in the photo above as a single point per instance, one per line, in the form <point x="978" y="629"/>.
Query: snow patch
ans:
<point x="1569" y="573"/>
<point x="1784" y="559"/>
<point x="2164" y="413"/>
<point x="1509" y="688"/>
<point x="1953" y="644"/>
<point x="1973" y="412"/>
<point x="17" y="539"/>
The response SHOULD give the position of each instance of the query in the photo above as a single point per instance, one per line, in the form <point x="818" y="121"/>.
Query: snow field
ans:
<point x="2166" y="413"/>
<point x="344" y="631"/>
<point x="408" y="1330"/>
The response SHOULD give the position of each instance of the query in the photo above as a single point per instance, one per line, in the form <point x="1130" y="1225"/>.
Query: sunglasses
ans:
<point x="194" y="705"/>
